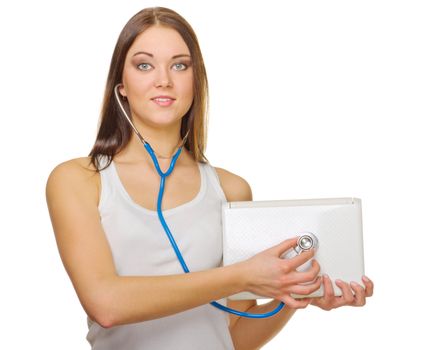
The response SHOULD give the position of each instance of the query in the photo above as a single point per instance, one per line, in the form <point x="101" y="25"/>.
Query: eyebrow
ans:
<point x="151" y="55"/>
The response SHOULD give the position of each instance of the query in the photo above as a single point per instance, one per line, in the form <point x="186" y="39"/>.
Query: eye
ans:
<point x="142" y="66"/>
<point x="181" y="66"/>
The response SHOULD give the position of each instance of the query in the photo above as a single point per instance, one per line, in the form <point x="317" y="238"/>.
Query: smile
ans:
<point x="164" y="102"/>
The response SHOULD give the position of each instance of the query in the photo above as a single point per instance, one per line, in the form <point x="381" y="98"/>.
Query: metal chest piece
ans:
<point x="305" y="242"/>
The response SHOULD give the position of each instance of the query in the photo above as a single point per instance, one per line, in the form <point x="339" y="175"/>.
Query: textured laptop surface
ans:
<point x="252" y="226"/>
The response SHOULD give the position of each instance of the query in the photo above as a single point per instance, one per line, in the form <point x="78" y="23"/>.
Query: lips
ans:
<point x="163" y="97"/>
<point x="163" y="100"/>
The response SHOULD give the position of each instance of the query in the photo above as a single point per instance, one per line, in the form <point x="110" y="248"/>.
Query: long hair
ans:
<point x="114" y="131"/>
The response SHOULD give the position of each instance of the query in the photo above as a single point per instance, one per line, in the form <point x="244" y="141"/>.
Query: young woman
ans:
<point x="108" y="228"/>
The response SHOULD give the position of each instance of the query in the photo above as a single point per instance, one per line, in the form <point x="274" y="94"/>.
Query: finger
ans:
<point x="303" y="303"/>
<point x="299" y="259"/>
<point x="347" y="297"/>
<point x="307" y="276"/>
<point x="284" y="246"/>
<point x="328" y="288"/>
<point x="296" y="303"/>
<point x="306" y="289"/>
<point x="359" y="294"/>
<point x="307" y="301"/>
<point x="325" y="302"/>
<point x="368" y="286"/>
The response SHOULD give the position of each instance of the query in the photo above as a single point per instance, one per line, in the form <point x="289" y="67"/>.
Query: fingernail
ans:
<point x="326" y="276"/>
<point x="338" y="281"/>
<point x="366" y="279"/>
<point x="354" y="284"/>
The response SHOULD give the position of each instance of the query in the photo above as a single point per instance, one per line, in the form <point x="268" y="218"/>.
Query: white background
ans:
<point x="308" y="99"/>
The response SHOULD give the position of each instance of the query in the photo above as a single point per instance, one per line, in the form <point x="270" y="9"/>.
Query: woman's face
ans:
<point x="151" y="69"/>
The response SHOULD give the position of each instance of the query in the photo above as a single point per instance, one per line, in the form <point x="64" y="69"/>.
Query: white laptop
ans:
<point x="332" y="225"/>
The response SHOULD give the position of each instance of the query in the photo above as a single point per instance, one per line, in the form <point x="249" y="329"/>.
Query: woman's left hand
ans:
<point x="354" y="296"/>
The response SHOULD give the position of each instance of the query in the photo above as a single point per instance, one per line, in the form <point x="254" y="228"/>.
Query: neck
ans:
<point x="164" y="142"/>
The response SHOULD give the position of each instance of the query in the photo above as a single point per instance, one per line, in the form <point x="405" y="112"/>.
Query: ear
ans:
<point x="121" y="89"/>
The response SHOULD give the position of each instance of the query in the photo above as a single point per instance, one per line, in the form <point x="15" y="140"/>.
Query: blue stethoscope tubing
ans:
<point x="164" y="224"/>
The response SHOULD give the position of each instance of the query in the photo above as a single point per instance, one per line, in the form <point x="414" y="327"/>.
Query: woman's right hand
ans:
<point x="269" y="275"/>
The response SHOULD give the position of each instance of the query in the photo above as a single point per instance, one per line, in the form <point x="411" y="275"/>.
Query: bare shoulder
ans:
<point x="235" y="187"/>
<point x="77" y="174"/>
<point x="72" y="200"/>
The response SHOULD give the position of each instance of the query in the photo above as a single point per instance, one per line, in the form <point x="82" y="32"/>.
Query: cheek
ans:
<point x="187" y="88"/>
<point x="135" y="86"/>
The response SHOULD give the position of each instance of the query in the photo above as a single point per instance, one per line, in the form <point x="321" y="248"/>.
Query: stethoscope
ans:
<point x="161" y="217"/>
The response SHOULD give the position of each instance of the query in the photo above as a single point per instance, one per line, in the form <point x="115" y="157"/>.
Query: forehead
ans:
<point x="160" y="41"/>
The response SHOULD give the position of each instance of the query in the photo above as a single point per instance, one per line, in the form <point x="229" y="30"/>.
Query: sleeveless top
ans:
<point x="140" y="246"/>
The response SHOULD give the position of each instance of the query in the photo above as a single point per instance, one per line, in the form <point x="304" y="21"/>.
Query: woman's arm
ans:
<point x="107" y="298"/>
<point x="251" y="333"/>
<point x="72" y="196"/>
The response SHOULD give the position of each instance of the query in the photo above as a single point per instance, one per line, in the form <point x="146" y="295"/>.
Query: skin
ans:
<point x="145" y="77"/>
<point x="73" y="196"/>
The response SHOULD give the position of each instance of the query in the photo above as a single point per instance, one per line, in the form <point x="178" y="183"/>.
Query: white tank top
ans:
<point x="140" y="246"/>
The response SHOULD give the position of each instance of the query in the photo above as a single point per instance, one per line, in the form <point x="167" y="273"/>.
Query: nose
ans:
<point x="163" y="78"/>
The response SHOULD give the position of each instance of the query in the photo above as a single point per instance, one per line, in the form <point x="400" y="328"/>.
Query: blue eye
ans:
<point x="181" y="64"/>
<point x="143" y="64"/>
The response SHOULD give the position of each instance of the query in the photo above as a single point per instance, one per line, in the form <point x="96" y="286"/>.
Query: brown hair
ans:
<point x="114" y="131"/>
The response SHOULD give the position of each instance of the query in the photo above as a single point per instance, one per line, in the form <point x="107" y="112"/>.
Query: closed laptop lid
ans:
<point x="250" y="227"/>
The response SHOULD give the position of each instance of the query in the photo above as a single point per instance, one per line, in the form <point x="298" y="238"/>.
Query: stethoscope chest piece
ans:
<point x="162" y="219"/>
<point x="306" y="241"/>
